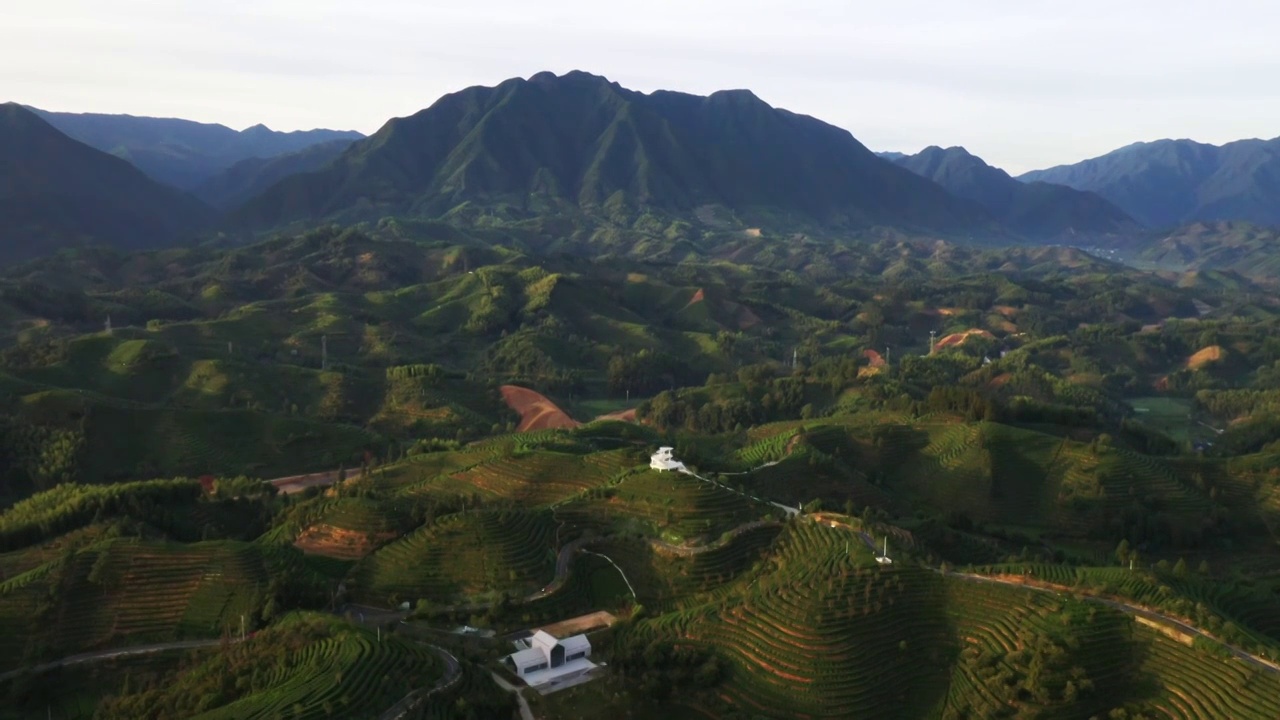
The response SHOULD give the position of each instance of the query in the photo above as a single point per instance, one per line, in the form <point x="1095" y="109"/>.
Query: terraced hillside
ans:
<point x="667" y="577"/>
<point x="823" y="631"/>
<point x="124" y="591"/>
<point x="304" y="667"/>
<point x="678" y="507"/>
<point x="533" y="478"/>
<point x="350" y="528"/>
<point x="471" y="556"/>
<point x="817" y="632"/>
<point x="1242" y="612"/>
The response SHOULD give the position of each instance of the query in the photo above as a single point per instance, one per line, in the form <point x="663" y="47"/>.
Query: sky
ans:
<point x="1025" y="84"/>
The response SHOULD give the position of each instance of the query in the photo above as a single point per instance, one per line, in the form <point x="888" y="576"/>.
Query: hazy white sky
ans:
<point x="1023" y="83"/>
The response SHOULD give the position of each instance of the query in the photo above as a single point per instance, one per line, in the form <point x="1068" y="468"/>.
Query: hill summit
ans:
<point x="578" y="142"/>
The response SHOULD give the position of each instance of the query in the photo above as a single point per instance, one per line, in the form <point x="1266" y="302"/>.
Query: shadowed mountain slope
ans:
<point x="1038" y="210"/>
<point x="56" y="192"/>
<point x="183" y="153"/>
<point x="1171" y="182"/>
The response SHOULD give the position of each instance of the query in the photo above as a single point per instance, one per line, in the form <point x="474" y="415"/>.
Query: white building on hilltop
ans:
<point x="663" y="461"/>
<point x="546" y="658"/>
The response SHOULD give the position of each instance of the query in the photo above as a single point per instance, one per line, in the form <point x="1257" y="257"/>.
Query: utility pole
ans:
<point x="794" y="353"/>
<point x="242" y="627"/>
<point x="107" y="326"/>
<point x="886" y="354"/>
<point x="933" y="337"/>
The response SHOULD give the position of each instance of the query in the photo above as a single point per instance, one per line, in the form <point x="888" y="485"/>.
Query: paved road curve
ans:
<point x="452" y="674"/>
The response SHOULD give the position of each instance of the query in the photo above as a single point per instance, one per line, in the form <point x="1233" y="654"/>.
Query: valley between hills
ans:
<point x="314" y="425"/>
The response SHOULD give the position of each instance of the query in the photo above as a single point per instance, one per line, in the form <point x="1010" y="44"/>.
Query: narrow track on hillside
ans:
<point x="1125" y="607"/>
<point x="728" y="537"/>
<point x="111" y="654"/>
<point x="525" y="712"/>
<point x="410" y="702"/>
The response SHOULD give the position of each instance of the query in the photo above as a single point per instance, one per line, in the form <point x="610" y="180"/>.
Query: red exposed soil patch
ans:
<point x="1208" y="355"/>
<point x="580" y="624"/>
<point x="697" y="297"/>
<point x="535" y="410"/>
<point x="959" y="338"/>
<point x="339" y="543"/>
<point x="877" y="360"/>
<point x="1000" y="380"/>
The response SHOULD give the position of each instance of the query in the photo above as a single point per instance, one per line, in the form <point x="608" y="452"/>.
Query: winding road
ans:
<point x="452" y="674"/>
<point x="692" y="550"/>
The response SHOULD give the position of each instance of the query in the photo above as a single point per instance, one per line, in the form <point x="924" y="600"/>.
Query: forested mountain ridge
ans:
<point x="1171" y="182"/>
<point x="183" y="153"/>
<point x="57" y="192"/>
<point x="578" y="143"/>
<point x="1036" y="210"/>
<point x="247" y="178"/>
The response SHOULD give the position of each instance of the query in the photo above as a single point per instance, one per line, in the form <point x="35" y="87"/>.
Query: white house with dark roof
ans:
<point x="547" y="658"/>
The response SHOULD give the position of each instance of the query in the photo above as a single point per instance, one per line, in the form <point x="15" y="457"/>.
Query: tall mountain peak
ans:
<point x="580" y="143"/>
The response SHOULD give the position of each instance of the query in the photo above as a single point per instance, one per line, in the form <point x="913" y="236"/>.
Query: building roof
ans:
<point x="575" y="643"/>
<point x="527" y="657"/>
<point x="543" y="639"/>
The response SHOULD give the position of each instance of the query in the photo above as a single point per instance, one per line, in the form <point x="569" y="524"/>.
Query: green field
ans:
<point x="1171" y="416"/>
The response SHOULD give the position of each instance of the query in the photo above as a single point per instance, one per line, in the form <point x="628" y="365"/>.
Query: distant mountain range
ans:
<point x="578" y="143"/>
<point x="183" y="153"/>
<point x="240" y="182"/>
<point x="1036" y="210"/>
<point x="576" y="160"/>
<point x="57" y="192"/>
<point x="1171" y="182"/>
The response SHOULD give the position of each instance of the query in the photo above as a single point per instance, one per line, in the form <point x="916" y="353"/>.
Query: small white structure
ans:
<point x="884" y="558"/>
<point x="663" y="461"/>
<point x="547" y="659"/>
